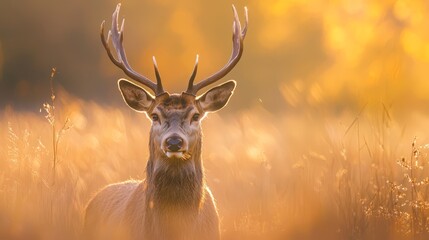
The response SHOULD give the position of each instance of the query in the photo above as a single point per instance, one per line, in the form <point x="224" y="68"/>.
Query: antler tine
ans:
<point x="117" y="37"/>
<point x="246" y="15"/>
<point x="158" y="77"/>
<point x="192" y="78"/>
<point x="238" y="36"/>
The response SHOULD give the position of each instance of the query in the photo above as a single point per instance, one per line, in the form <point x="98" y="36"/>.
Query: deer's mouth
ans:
<point x="174" y="154"/>
<point x="177" y="155"/>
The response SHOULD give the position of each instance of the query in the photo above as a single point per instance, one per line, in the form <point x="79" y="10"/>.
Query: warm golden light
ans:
<point x="325" y="136"/>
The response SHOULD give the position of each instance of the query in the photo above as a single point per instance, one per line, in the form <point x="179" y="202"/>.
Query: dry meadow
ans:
<point x="326" y="136"/>
<point x="302" y="175"/>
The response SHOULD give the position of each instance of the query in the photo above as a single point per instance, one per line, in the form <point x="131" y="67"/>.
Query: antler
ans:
<point x="117" y="37"/>
<point x="237" y="49"/>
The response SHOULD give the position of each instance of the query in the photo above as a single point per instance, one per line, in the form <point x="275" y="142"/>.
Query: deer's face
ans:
<point x="175" y="125"/>
<point x="176" y="118"/>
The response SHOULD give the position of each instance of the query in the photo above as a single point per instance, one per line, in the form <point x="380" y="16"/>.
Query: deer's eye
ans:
<point x="195" y="118"/>
<point x="155" y="117"/>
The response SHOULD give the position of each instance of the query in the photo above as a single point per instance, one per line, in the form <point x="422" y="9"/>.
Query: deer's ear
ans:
<point x="217" y="97"/>
<point x="134" y="96"/>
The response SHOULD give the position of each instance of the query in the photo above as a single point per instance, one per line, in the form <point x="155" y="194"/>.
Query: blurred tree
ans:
<point x="340" y="54"/>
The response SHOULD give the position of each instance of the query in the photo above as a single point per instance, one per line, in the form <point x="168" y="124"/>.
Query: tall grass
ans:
<point x="275" y="176"/>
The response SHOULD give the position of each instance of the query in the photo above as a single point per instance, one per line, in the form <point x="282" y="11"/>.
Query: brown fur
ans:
<point x="173" y="202"/>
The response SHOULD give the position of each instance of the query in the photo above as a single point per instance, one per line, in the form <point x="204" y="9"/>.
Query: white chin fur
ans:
<point x="174" y="154"/>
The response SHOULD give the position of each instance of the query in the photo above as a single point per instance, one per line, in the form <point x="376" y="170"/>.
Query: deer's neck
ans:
<point x="175" y="184"/>
<point x="174" y="193"/>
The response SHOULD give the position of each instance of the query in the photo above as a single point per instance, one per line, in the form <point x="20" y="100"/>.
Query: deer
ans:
<point x="173" y="202"/>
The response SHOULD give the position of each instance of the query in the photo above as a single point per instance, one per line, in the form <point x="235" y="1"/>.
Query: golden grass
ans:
<point x="300" y="175"/>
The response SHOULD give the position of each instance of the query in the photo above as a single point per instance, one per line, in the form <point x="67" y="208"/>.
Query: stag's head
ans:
<point x="176" y="118"/>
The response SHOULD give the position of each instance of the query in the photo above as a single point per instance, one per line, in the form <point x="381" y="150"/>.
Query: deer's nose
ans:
<point x="174" y="143"/>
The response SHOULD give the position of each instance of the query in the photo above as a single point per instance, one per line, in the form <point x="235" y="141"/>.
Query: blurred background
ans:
<point x="324" y="138"/>
<point x="324" y="54"/>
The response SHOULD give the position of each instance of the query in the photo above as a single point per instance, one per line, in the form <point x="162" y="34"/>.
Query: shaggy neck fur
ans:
<point x="175" y="183"/>
<point x="174" y="192"/>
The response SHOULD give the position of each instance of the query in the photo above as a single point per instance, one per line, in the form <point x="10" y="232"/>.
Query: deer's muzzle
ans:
<point x="174" y="146"/>
<point x="174" y="143"/>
